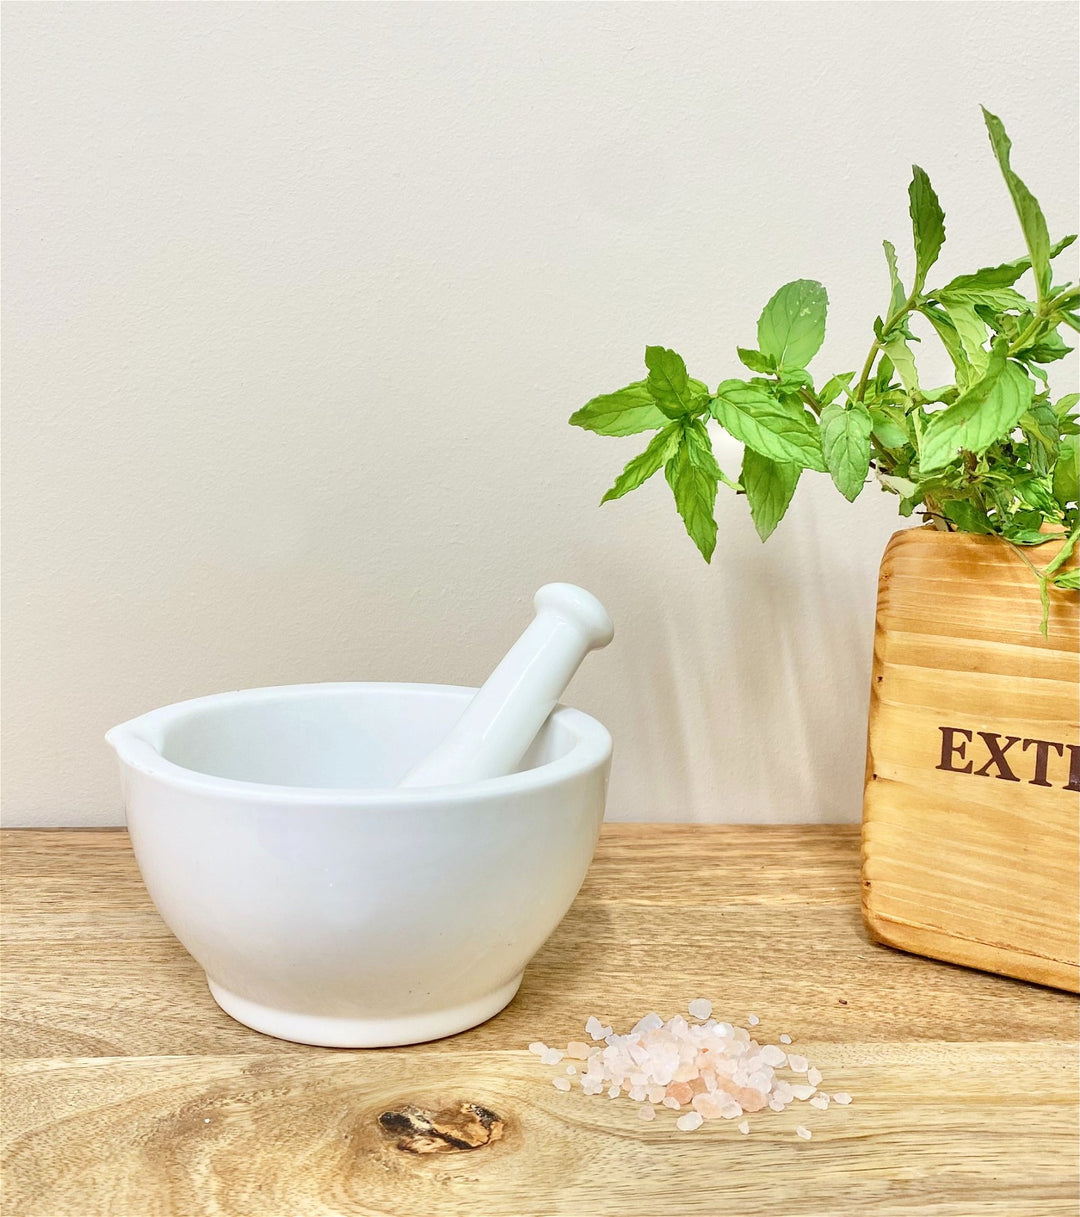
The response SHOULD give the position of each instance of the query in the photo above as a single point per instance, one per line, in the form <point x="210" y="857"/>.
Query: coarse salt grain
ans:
<point x="802" y="1131"/>
<point x="753" y="1020"/>
<point x="551" y="1056"/>
<point x="700" y="1007"/>
<point x="820" y="1101"/>
<point x="646" y="1112"/>
<point x="797" y="1064"/>
<point x="690" y="1121"/>
<point x="814" y="1076"/>
<point x="674" y="1104"/>
<point x="744" y="1127"/>
<point x="538" y="1048"/>
<point x="841" y="1098"/>
<point x="560" y="1083"/>
<point x="802" y="1090"/>
<point x="571" y="1070"/>
<point x="785" y="1039"/>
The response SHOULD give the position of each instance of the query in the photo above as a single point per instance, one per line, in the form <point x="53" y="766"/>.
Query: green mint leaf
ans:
<point x="661" y="448"/>
<point x="668" y="382"/>
<point x="1027" y="536"/>
<point x="887" y="429"/>
<point x="769" y="486"/>
<point x="775" y="428"/>
<point x="967" y="517"/>
<point x="950" y="340"/>
<point x="625" y="412"/>
<point x="1048" y="348"/>
<point x="1066" y="483"/>
<point x="756" y="361"/>
<point x="971" y="331"/>
<point x="997" y="298"/>
<point x="899" y="352"/>
<point x="1032" y="220"/>
<point x="1056" y="563"/>
<point x="904" y="487"/>
<point x="1004" y="275"/>
<point x="791" y="327"/>
<point x="845" y="440"/>
<point x="1068" y="580"/>
<point x="1064" y="405"/>
<point x="1040" y="427"/>
<point x="883" y="380"/>
<point x="986" y="411"/>
<point x="693" y="475"/>
<point x="927" y="224"/>
<point x="990" y="277"/>
<point x="897" y="295"/>
<point x="834" y="386"/>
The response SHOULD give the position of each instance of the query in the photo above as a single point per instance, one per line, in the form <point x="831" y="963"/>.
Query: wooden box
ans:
<point x="971" y="816"/>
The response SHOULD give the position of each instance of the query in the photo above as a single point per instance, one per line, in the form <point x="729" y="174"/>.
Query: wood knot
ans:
<point x="462" y="1126"/>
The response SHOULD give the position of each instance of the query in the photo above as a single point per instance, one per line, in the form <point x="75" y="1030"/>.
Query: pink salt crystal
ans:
<point x="697" y="1085"/>
<point x="700" y="1007"/>
<point x="614" y="1092"/>
<point x="646" y="1112"/>
<point x="711" y="1106"/>
<point x="753" y="1020"/>
<point x="797" y="1064"/>
<point x="656" y="1094"/>
<point x="803" y="1132"/>
<point x="802" y="1091"/>
<point x="744" y="1127"/>
<point x="637" y="1093"/>
<point x="775" y="1105"/>
<point x="577" y="1051"/>
<point x="820" y="1101"/>
<point x="538" y="1048"/>
<point x="551" y="1056"/>
<point x="841" y="1098"/>
<point x="773" y="1056"/>
<point x="571" y="1070"/>
<point x="682" y="1092"/>
<point x="751" y="1100"/>
<point x="687" y="1123"/>
<point x="813" y="1076"/>
<point x="560" y="1083"/>
<point x="785" y="1039"/>
<point x="674" y="1104"/>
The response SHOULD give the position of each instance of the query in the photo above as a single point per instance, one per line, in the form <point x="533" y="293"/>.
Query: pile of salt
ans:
<point x="716" y="1069"/>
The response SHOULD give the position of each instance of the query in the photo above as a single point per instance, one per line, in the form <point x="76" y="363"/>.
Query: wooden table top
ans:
<point x="128" y="1093"/>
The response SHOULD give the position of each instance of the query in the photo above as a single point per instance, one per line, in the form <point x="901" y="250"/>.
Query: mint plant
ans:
<point x="992" y="453"/>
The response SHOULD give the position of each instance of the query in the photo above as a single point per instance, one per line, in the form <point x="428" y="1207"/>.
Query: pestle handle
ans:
<point x="502" y="720"/>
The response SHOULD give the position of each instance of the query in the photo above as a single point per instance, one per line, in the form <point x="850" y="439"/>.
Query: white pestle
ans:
<point x="502" y="720"/>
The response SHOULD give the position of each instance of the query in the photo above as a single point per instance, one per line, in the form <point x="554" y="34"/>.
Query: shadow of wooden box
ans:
<point x="971" y="815"/>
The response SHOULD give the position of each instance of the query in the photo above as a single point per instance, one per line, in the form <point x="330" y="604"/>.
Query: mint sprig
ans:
<point x="990" y="453"/>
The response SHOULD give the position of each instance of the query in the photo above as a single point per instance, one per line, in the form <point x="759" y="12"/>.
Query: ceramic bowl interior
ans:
<point x="326" y="739"/>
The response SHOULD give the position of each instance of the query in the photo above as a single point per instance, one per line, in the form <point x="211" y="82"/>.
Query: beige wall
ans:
<point x="299" y="297"/>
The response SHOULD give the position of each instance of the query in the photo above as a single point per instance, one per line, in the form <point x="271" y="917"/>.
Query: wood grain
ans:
<point x="129" y="1094"/>
<point x="980" y="869"/>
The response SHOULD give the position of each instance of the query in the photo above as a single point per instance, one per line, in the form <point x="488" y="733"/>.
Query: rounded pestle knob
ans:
<point x="503" y="719"/>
